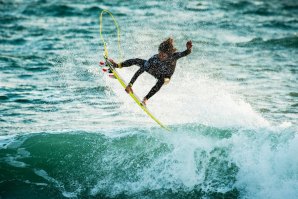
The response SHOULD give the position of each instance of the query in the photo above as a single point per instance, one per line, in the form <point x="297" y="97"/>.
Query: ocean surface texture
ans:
<point x="69" y="131"/>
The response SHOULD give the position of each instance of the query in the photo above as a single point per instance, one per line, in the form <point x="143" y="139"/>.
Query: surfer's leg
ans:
<point x="130" y="62"/>
<point x="155" y="88"/>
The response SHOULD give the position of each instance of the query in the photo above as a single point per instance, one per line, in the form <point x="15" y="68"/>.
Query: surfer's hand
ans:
<point x="114" y="63"/>
<point x="189" y="45"/>
<point x="128" y="89"/>
<point x="144" y="102"/>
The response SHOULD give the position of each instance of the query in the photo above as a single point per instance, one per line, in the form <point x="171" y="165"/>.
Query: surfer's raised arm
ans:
<point x="179" y="55"/>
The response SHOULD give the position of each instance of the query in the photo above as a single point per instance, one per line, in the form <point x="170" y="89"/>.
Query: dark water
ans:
<point x="68" y="131"/>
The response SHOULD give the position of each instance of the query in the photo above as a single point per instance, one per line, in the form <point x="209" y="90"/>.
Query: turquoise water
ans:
<point x="69" y="131"/>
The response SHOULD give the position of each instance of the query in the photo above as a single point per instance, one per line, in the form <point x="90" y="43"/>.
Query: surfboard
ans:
<point x="132" y="95"/>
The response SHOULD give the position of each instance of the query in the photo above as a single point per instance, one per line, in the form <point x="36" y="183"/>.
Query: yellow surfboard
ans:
<point x="133" y="95"/>
<point x="115" y="73"/>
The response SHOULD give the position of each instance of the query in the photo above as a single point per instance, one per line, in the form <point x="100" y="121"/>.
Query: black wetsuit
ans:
<point x="157" y="68"/>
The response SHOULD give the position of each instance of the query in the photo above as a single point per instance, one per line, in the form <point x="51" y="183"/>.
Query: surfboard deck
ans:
<point x="133" y="95"/>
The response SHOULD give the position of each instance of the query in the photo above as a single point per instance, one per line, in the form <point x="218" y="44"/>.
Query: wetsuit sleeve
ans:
<point x="155" y="88"/>
<point x="130" y="62"/>
<point x="136" y="75"/>
<point x="178" y="55"/>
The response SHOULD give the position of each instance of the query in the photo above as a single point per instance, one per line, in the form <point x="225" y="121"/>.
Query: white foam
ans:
<point x="193" y="98"/>
<point x="42" y="173"/>
<point x="182" y="166"/>
<point x="5" y="140"/>
<point x="12" y="161"/>
<point x="268" y="166"/>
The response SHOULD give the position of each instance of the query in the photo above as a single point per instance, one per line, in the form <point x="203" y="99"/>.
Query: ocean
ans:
<point x="67" y="130"/>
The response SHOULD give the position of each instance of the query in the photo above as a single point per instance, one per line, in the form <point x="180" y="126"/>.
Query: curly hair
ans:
<point x="167" y="46"/>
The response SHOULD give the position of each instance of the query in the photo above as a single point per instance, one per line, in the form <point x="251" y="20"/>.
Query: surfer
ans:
<point x="161" y="66"/>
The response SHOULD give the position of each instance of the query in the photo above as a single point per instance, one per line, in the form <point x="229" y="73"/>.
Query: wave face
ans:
<point x="68" y="131"/>
<point x="194" y="162"/>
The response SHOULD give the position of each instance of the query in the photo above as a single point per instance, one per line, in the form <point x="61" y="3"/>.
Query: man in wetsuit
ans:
<point x="161" y="66"/>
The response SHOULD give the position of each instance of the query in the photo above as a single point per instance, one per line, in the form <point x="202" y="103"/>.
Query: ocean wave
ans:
<point x="16" y="41"/>
<point x="282" y="24"/>
<point x="193" y="161"/>
<point x="56" y="10"/>
<point x="287" y="42"/>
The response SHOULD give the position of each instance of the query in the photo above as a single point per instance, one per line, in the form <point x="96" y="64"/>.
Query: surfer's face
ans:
<point x="162" y="56"/>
